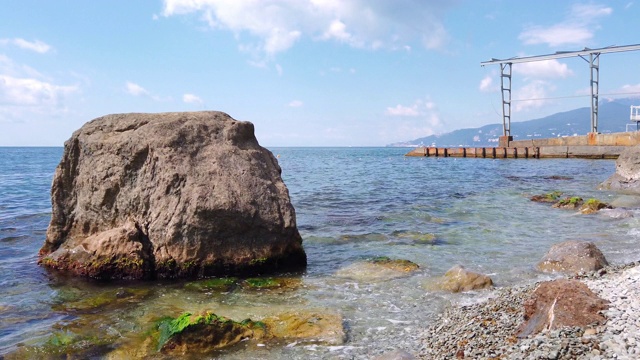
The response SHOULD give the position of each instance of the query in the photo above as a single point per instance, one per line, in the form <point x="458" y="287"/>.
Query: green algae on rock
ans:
<point x="215" y="284"/>
<point x="548" y="197"/>
<point x="395" y="264"/>
<point x="592" y="206"/>
<point x="204" y="333"/>
<point x="573" y="202"/>
<point x="112" y="298"/>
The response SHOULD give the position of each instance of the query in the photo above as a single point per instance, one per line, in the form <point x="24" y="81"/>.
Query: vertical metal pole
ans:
<point x="594" y="64"/>
<point x="505" y="78"/>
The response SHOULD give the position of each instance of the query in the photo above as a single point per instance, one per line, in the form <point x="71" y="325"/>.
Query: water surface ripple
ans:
<point x="351" y="204"/>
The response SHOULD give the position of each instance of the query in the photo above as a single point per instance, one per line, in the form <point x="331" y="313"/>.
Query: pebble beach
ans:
<point x="487" y="330"/>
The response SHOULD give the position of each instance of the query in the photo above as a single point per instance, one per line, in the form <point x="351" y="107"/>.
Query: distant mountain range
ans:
<point x="613" y="116"/>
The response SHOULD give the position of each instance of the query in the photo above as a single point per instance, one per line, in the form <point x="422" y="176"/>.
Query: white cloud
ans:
<point x="576" y="29"/>
<point x="37" y="45"/>
<point x="486" y="84"/>
<point x="400" y="110"/>
<point x="534" y="95"/>
<point x="191" y="99"/>
<point x="296" y="103"/>
<point x="629" y="90"/>
<point x="24" y="91"/>
<point x="417" y="120"/>
<point x="418" y="108"/>
<point x="274" y="26"/>
<point x="543" y="69"/>
<point x="31" y="92"/>
<point x="135" y="89"/>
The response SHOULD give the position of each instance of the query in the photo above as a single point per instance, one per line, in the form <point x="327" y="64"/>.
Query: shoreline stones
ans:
<point x="169" y="195"/>
<point x="572" y="257"/>
<point x="486" y="330"/>
<point x="459" y="279"/>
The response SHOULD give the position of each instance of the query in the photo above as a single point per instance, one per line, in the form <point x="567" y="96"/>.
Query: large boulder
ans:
<point x="169" y="195"/>
<point x="559" y="303"/>
<point x="573" y="257"/>
<point x="627" y="175"/>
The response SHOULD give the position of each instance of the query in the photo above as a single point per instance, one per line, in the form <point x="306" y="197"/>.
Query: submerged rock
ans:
<point x="574" y="202"/>
<point x="559" y="303"/>
<point x="215" y="284"/>
<point x="573" y="257"/>
<point x="627" y="175"/>
<point x="592" y="206"/>
<point x="203" y="334"/>
<point x="551" y="197"/>
<point x="169" y="195"/>
<point x="459" y="279"/>
<point x="307" y="326"/>
<point x="377" y="269"/>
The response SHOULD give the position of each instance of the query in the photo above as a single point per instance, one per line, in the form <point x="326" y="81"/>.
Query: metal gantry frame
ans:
<point x="594" y="65"/>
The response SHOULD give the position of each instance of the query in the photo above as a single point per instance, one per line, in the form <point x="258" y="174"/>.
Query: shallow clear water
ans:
<point x="351" y="204"/>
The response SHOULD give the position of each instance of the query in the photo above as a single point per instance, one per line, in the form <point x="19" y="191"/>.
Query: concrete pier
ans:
<point x="591" y="146"/>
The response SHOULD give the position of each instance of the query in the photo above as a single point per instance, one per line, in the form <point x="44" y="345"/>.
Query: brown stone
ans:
<point x="560" y="303"/>
<point x="459" y="279"/>
<point x="573" y="257"/>
<point x="309" y="326"/>
<point x="169" y="195"/>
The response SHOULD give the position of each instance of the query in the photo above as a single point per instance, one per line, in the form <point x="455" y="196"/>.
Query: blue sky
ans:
<point x="305" y="72"/>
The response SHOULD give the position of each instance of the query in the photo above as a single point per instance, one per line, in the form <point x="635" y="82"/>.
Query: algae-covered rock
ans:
<point x="204" y="334"/>
<point x="573" y="202"/>
<point x="459" y="279"/>
<point x="317" y="327"/>
<point x="200" y="334"/>
<point x="271" y="283"/>
<point x="592" y="206"/>
<point x="551" y="197"/>
<point x="112" y="298"/>
<point x="66" y="345"/>
<point x="417" y="237"/>
<point x="395" y="264"/>
<point x="377" y="269"/>
<point x="215" y="284"/>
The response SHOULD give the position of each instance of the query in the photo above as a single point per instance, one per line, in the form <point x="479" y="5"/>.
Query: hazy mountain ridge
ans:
<point x="613" y="117"/>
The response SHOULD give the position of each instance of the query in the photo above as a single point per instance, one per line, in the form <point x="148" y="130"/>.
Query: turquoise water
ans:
<point x="351" y="204"/>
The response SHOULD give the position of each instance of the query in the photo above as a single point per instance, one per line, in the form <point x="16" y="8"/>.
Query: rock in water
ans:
<point x="169" y="195"/>
<point x="627" y="175"/>
<point x="458" y="279"/>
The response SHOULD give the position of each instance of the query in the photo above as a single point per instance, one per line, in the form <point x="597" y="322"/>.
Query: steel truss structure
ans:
<point x="592" y="56"/>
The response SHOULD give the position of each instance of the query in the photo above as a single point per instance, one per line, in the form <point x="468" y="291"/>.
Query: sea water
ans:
<point x="351" y="204"/>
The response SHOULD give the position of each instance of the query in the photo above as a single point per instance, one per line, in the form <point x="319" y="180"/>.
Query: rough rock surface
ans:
<point x="169" y="195"/>
<point x="627" y="175"/>
<point x="459" y="279"/>
<point x="307" y="326"/>
<point x="559" y="303"/>
<point x="573" y="257"/>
